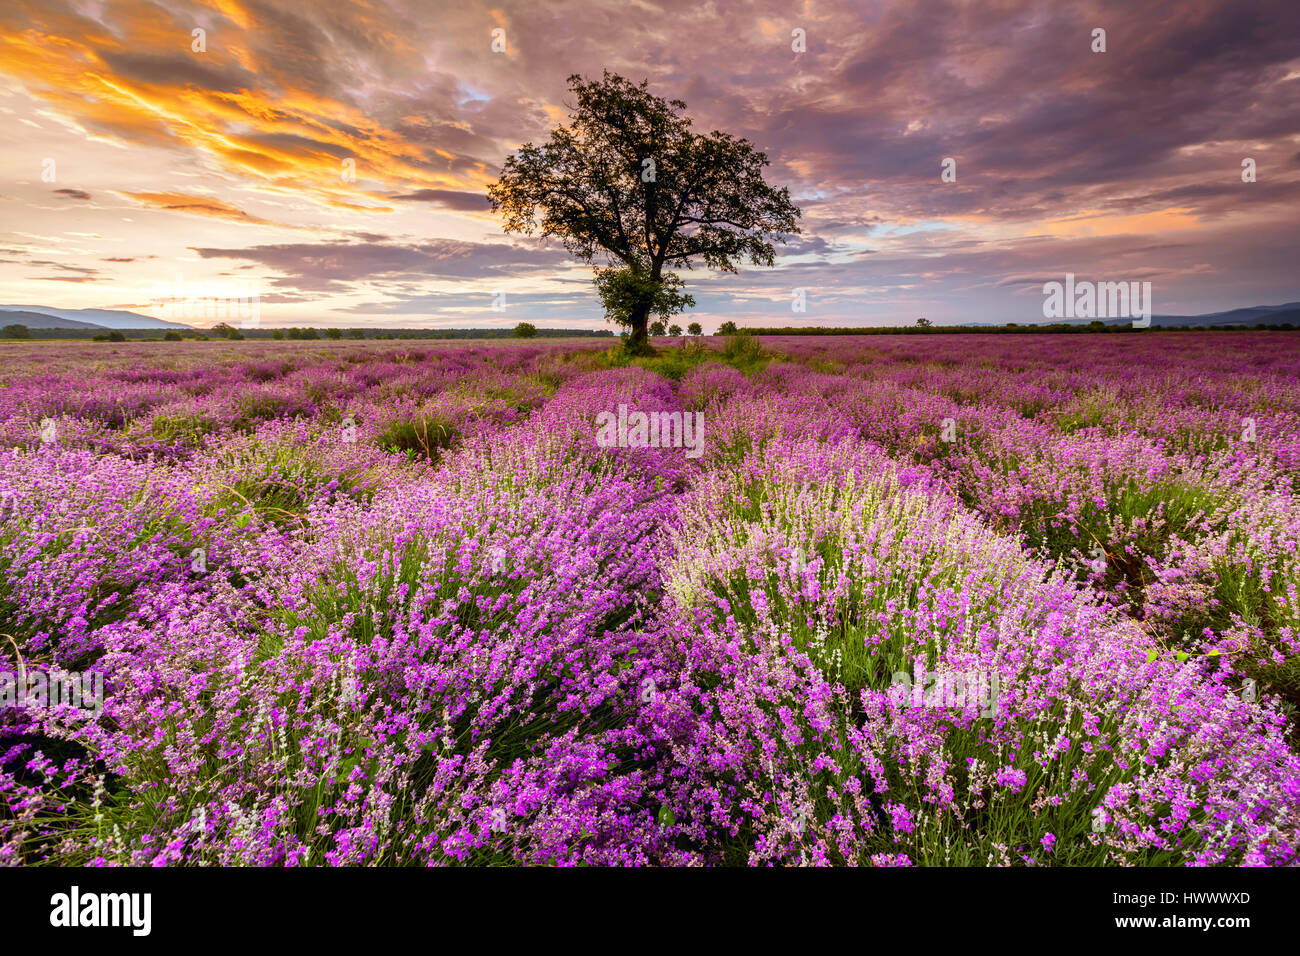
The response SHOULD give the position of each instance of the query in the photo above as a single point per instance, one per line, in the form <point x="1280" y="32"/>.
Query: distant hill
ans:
<point x="39" y="320"/>
<point x="89" y="318"/>
<point x="1255" y="315"/>
<point x="1287" y="312"/>
<point x="1252" y="315"/>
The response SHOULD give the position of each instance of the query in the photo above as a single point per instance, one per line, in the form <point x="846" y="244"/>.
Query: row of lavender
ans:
<point x="981" y="600"/>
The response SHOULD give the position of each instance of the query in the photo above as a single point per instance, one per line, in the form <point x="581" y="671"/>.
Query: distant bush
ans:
<point x="223" y="330"/>
<point x="15" y="331"/>
<point x="525" y="330"/>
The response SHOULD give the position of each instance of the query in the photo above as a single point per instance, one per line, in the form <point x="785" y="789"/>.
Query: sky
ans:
<point x="332" y="158"/>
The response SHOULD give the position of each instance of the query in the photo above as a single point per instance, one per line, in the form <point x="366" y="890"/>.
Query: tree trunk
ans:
<point x="640" y="341"/>
<point x="639" y="320"/>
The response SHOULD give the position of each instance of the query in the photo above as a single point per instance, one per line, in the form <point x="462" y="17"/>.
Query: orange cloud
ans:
<point x="1093" y="222"/>
<point x="199" y="205"/>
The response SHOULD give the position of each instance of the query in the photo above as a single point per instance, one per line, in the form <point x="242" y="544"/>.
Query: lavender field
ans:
<point x="882" y="600"/>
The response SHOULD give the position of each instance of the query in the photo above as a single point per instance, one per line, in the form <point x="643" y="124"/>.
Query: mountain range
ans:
<point x="1253" y="315"/>
<point x="42" y="317"/>
<point x="1267" y="314"/>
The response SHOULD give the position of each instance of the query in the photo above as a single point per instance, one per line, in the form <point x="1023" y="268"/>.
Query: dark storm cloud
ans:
<point x="178" y="69"/>
<point x="449" y="199"/>
<point x="332" y="265"/>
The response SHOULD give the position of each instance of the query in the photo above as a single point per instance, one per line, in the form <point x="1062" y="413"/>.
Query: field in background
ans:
<point x="988" y="600"/>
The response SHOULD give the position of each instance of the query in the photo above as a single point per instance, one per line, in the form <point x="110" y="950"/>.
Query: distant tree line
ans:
<point x="1010" y="327"/>
<point x="230" y="333"/>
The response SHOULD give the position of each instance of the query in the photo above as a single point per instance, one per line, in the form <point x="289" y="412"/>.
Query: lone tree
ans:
<point x="629" y="181"/>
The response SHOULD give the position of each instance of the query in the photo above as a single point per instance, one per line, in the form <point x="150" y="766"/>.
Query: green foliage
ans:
<point x="525" y="330"/>
<point x="15" y="331"/>
<point x="627" y="293"/>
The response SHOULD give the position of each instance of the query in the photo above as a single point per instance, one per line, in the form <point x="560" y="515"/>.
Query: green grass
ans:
<point x="739" y="351"/>
<point x="424" y="434"/>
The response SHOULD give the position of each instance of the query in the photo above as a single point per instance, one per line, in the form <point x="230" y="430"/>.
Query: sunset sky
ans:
<point x="229" y="165"/>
